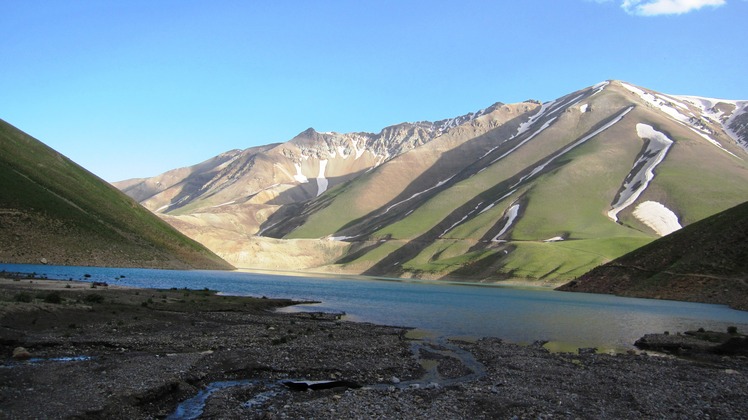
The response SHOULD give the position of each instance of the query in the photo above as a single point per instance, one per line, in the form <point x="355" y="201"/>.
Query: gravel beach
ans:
<point x="73" y="351"/>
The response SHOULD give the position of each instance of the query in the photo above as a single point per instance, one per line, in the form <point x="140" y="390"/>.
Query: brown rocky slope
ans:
<point x="703" y="262"/>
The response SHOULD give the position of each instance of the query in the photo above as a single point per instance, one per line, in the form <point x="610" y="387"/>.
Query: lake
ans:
<point x="441" y="309"/>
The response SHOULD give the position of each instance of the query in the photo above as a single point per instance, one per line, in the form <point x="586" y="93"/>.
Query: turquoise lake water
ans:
<point x="443" y="309"/>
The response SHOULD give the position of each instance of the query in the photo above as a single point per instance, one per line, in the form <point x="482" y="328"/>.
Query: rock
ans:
<point x="43" y="261"/>
<point x="20" y="353"/>
<point x="733" y="346"/>
<point x="395" y="380"/>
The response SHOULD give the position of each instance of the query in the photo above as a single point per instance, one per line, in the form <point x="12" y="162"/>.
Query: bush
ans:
<point x="23" y="297"/>
<point x="53" y="297"/>
<point x="94" y="298"/>
<point x="732" y="329"/>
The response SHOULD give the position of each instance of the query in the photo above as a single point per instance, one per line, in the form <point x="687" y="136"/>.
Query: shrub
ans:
<point x="23" y="297"/>
<point x="53" y="297"/>
<point x="94" y="298"/>
<point x="732" y="329"/>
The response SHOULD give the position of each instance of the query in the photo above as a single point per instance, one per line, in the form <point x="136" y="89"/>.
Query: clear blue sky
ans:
<point x="134" y="88"/>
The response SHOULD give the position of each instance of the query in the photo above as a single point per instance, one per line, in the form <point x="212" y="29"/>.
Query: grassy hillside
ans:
<point x="706" y="261"/>
<point x="443" y="221"/>
<point x="53" y="209"/>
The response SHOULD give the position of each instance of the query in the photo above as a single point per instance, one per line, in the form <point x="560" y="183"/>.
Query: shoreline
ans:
<point x="140" y="353"/>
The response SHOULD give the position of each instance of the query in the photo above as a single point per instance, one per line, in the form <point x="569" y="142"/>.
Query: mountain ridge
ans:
<point x="544" y="191"/>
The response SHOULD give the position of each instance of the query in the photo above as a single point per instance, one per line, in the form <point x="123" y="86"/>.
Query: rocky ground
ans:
<point x="129" y="353"/>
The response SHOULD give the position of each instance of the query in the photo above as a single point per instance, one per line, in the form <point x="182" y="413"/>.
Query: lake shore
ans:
<point x="139" y="353"/>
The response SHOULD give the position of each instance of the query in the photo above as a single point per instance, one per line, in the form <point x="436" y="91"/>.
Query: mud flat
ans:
<point x="143" y="353"/>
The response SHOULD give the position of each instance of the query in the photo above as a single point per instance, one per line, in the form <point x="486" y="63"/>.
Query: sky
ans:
<point x="134" y="88"/>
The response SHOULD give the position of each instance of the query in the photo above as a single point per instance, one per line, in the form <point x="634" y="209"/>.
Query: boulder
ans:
<point x="20" y="353"/>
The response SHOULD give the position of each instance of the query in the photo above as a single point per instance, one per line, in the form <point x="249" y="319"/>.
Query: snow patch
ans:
<point x="511" y="215"/>
<point x="541" y="112"/>
<point x="669" y="105"/>
<point x="162" y="208"/>
<point x="657" y="103"/>
<point x="554" y="239"/>
<point x="299" y="177"/>
<point x="741" y="109"/>
<point x="658" y="217"/>
<point x="708" y="108"/>
<point x="359" y="151"/>
<point x="583" y="108"/>
<point x="322" y="182"/>
<point x="642" y="172"/>
<point x="341" y="238"/>
<point x="599" y="87"/>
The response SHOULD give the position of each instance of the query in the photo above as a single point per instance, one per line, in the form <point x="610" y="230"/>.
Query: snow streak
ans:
<point x="511" y="215"/>
<point x="642" y="172"/>
<point x="675" y="108"/>
<point x="299" y="177"/>
<point x="539" y="168"/>
<point x="439" y="184"/>
<point x="321" y="180"/>
<point x="465" y="217"/>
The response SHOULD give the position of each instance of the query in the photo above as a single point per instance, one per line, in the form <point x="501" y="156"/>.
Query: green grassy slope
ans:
<point x="706" y="261"/>
<point x="441" y="234"/>
<point x="54" y="209"/>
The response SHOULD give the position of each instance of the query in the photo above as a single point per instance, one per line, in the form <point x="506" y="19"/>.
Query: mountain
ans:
<point x="532" y="190"/>
<point x="706" y="261"/>
<point x="52" y="210"/>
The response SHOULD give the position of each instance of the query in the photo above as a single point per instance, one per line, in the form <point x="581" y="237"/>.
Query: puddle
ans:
<point x="564" y="347"/>
<point x="193" y="407"/>
<point x="39" y="360"/>
<point x="438" y="349"/>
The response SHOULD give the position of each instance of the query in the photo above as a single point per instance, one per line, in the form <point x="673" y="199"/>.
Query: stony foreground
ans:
<point x="109" y="352"/>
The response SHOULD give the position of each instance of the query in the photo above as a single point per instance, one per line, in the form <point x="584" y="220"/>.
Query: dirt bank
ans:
<point x="132" y="353"/>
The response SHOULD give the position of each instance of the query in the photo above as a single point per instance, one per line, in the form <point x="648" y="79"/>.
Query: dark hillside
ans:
<point x="53" y="210"/>
<point x="706" y="261"/>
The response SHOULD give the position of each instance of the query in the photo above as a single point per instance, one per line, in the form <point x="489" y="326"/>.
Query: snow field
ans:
<point x="658" y="217"/>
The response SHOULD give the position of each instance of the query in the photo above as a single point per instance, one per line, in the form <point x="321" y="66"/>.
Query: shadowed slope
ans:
<point x="53" y="210"/>
<point x="706" y="261"/>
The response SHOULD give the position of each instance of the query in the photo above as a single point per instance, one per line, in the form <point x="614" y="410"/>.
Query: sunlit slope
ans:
<point x="530" y="190"/>
<point x="53" y="210"/>
<point x="408" y="177"/>
<point x="534" y="198"/>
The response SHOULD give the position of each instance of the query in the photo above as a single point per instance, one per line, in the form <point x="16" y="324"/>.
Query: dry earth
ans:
<point x="109" y="352"/>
